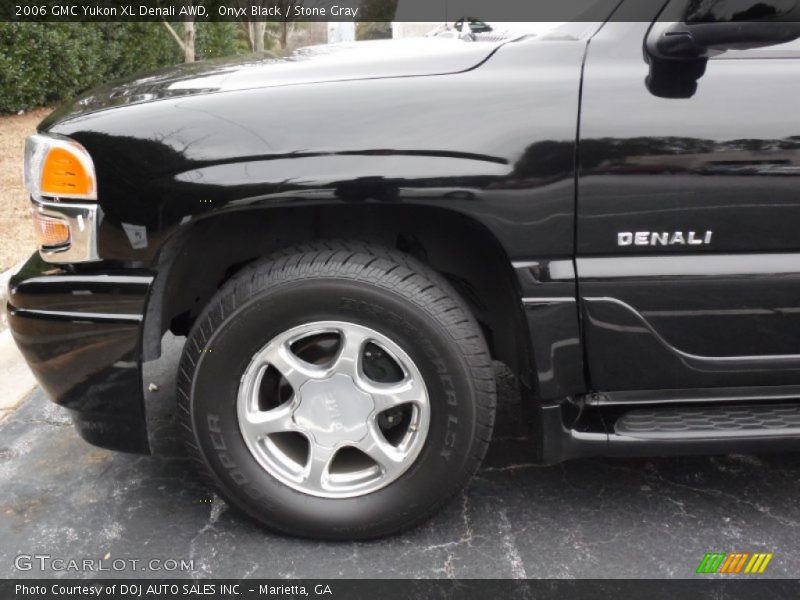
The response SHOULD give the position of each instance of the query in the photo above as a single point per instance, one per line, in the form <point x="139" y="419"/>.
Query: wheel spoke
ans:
<point x="317" y="470"/>
<point x="397" y="394"/>
<point x="262" y="423"/>
<point x="374" y="445"/>
<point x="334" y="403"/>
<point x="294" y="370"/>
<point x="350" y="350"/>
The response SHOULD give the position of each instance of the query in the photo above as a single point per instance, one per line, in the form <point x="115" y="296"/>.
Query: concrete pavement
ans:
<point x="4" y="277"/>
<point x="16" y="380"/>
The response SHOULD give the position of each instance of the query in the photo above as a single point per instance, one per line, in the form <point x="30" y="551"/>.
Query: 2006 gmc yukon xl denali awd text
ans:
<point x="350" y="237"/>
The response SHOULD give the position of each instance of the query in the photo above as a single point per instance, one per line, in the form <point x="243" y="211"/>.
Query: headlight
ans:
<point x="51" y="232"/>
<point x="58" y="167"/>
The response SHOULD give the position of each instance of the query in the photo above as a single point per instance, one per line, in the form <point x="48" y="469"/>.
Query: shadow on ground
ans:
<point x="585" y="518"/>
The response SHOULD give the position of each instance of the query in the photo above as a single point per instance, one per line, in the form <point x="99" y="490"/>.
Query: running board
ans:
<point x="672" y="431"/>
<point x="786" y="394"/>
<point x="721" y="422"/>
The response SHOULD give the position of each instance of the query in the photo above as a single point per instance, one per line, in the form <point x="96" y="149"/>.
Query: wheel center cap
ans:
<point x="333" y="410"/>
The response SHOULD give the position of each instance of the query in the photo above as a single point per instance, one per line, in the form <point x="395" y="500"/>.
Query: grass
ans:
<point x="16" y="231"/>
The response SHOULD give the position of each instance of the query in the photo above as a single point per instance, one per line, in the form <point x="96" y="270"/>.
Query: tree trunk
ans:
<point x="259" y="27"/>
<point x="188" y="41"/>
<point x="284" y="34"/>
<point x="251" y="34"/>
<point x="255" y="33"/>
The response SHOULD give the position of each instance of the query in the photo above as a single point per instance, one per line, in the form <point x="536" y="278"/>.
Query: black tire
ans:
<point x="380" y="288"/>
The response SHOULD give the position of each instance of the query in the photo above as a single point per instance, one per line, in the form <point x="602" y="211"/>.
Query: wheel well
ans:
<point x="197" y="261"/>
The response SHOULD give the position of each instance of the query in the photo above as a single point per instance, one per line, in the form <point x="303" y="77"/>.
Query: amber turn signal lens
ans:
<point x="50" y="232"/>
<point x="58" y="167"/>
<point x="63" y="174"/>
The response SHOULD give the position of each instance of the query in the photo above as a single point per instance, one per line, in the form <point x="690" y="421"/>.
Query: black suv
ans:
<point x="349" y="238"/>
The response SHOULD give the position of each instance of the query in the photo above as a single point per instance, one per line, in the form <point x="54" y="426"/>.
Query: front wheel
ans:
<point x="337" y="391"/>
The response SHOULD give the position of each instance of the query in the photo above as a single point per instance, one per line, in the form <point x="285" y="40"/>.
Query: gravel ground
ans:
<point x="586" y="518"/>
<point x="16" y="231"/>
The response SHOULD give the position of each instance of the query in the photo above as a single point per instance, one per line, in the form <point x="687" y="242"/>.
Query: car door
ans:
<point x="688" y="233"/>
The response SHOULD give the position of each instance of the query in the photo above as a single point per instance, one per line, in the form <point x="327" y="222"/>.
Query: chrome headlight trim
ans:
<point x="37" y="147"/>
<point x="83" y="221"/>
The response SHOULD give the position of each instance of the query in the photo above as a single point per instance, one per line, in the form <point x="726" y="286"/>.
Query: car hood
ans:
<point x="314" y="64"/>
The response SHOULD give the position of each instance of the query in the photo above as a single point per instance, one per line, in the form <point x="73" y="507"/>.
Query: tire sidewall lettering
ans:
<point x="268" y="312"/>
<point x="436" y="361"/>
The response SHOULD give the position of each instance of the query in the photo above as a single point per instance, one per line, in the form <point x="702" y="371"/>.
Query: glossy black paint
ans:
<point x="484" y="130"/>
<point x="727" y="160"/>
<point x="548" y="294"/>
<point x="551" y="145"/>
<point x="505" y="159"/>
<point x="80" y="335"/>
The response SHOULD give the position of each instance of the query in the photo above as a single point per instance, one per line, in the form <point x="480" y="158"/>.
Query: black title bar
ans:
<point x="314" y="10"/>
<point x="395" y="589"/>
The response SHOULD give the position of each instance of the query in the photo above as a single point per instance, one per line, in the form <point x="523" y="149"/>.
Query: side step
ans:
<point x="722" y="422"/>
<point x="670" y="430"/>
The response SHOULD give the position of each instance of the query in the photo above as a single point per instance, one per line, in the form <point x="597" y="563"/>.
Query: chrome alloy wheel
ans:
<point x="333" y="409"/>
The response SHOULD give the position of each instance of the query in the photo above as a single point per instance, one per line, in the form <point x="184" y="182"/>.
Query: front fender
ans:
<point x="496" y="142"/>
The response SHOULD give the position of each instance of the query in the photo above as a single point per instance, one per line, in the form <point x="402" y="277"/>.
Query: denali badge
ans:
<point x="665" y="238"/>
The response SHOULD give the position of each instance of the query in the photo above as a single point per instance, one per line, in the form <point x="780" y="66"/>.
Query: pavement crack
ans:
<point x="653" y="475"/>
<point x="448" y="568"/>
<point x="515" y="467"/>
<point x="465" y="540"/>
<point x="218" y="506"/>
<point x="510" y="549"/>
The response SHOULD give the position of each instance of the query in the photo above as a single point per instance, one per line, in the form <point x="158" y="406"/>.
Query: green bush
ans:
<point x="137" y="47"/>
<point x="373" y="30"/>
<point x="43" y="63"/>
<point x="215" y="40"/>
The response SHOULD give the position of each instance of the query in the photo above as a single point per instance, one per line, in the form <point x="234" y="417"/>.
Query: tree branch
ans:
<point x="175" y="35"/>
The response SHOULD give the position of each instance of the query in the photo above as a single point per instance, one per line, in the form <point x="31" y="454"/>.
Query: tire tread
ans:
<point x="387" y="268"/>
